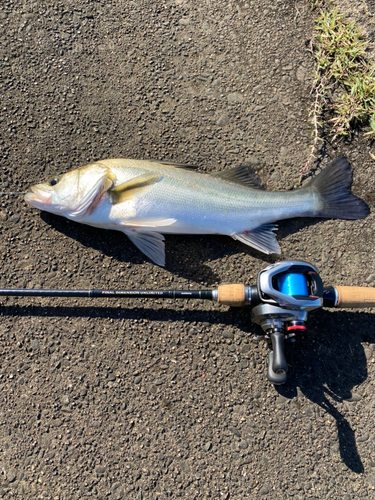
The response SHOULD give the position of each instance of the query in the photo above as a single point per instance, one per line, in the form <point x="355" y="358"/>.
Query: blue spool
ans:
<point x="293" y="284"/>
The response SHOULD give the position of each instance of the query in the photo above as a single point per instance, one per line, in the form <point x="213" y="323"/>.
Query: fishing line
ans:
<point x="12" y="192"/>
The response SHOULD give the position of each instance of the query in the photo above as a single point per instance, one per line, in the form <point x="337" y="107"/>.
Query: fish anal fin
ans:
<point x="261" y="238"/>
<point x="240" y="175"/>
<point x="127" y="189"/>
<point x="150" y="243"/>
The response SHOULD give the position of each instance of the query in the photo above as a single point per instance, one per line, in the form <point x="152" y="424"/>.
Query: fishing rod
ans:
<point x="285" y="293"/>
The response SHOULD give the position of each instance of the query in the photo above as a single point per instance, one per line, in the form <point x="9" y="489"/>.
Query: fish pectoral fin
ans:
<point x="155" y="222"/>
<point x="240" y="175"/>
<point x="262" y="238"/>
<point x="150" y="243"/>
<point x="127" y="189"/>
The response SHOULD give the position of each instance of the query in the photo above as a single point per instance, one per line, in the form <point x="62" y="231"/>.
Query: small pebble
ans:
<point x="11" y="475"/>
<point x="362" y="438"/>
<point x="368" y="353"/>
<point x="281" y="399"/>
<point x="283" y="151"/>
<point x="65" y="400"/>
<point x="244" y="363"/>
<point x="15" y="219"/>
<point x="184" y="21"/>
<point x="100" y="471"/>
<point x="354" y="398"/>
<point x="335" y="448"/>
<point x="35" y="344"/>
<point x="234" y="431"/>
<point x="223" y="120"/>
<point x="228" y="335"/>
<point x="301" y="73"/>
<point x="207" y="446"/>
<point x="252" y="161"/>
<point x="235" y="97"/>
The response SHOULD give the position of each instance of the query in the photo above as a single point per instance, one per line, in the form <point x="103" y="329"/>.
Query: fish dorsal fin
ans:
<point x="186" y="166"/>
<point x="240" y="175"/>
<point x="150" y="243"/>
<point x="262" y="238"/>
<point x="127" y="189"/>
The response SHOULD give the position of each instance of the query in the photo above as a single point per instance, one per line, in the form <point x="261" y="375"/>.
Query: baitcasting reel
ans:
<point x="287" y="292"/>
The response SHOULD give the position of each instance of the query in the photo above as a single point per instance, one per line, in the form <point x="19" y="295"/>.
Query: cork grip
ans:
<point x="355" y="296"/>
<point x="231" y="295"/>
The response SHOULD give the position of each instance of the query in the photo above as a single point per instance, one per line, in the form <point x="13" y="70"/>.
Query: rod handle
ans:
<point x="355" y="296"/>
<point x="231" y="295"/>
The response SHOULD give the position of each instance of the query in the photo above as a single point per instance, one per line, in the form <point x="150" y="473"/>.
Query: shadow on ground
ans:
<point x="190" y="250"/>
<point x="328" y="362"/>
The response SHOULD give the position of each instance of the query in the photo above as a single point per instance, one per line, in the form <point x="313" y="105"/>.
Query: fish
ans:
<point x="147" y="199"/>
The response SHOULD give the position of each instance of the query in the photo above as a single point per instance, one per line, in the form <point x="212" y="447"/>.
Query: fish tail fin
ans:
<point x="333" y="186"/>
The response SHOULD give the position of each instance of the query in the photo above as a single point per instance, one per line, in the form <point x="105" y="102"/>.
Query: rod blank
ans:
<point x="147" y="294"/>
<point x="235" y="295"/>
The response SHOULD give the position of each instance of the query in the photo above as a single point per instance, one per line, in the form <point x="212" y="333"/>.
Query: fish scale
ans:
<point x="194" y="197"/>
<point x="146" y="199"/>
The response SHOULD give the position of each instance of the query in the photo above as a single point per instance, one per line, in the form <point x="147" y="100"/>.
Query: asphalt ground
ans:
<point x="151" y="399"/>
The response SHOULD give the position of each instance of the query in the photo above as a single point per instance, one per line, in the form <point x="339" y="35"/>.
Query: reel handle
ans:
<point x="279" y="364"/>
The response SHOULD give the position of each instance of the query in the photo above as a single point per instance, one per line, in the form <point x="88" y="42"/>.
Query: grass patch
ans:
<point x="345" y="72"/>
<point x="344" y="84"/>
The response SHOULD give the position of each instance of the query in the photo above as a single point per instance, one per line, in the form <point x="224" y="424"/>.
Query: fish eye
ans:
<point x="54" y="181"/>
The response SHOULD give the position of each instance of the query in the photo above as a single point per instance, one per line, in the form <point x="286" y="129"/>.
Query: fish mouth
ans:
<point x="38" y="197"/>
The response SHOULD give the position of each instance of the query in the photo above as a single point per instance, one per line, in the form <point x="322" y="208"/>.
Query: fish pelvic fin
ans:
<point x="332" y="186"/>
<point x="261" y="238"/>
<point x="127" y="189"/>
<point x="150" y="243"/>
